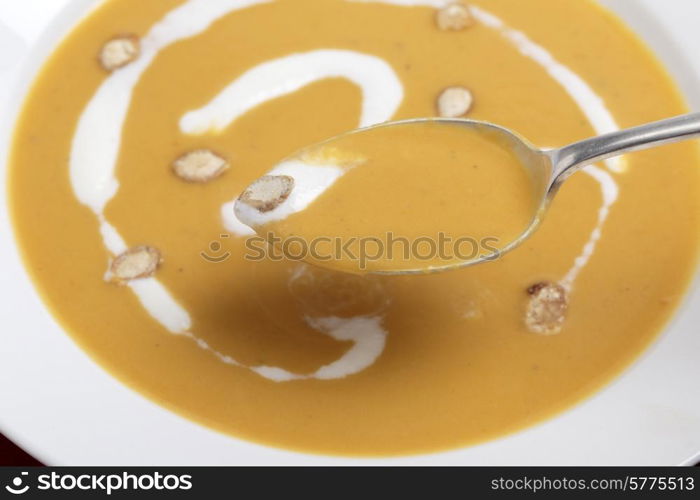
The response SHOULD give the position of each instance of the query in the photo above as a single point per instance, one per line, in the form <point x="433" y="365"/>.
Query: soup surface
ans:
<point x="407" y="197"/>
<point x="135" y="156"/>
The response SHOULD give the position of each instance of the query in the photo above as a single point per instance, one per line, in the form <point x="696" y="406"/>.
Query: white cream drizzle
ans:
<point x="382" y="91"/>
<point x="310" y="181"/>
<point x="97" y="142"/>
<point x="152" y="294"/>
<point x="365" y="332"/>
<point x="610" y="192"/>
<point x="232" y="223"/>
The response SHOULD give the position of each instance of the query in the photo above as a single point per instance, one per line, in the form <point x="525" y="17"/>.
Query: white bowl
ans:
<point x="65" y="409"/>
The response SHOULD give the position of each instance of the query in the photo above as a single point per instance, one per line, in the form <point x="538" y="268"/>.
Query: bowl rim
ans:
<point x="43" y="371"/>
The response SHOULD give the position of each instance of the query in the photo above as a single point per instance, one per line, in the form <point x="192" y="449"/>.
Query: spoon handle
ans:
<point x="570" y="158"/>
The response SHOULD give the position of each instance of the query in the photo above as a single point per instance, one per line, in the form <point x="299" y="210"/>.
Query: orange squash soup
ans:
<point x="148" y="121"/>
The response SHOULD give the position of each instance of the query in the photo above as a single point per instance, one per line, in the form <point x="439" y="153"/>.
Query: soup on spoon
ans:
<point x="407" y="197"/>
<point x="414" y="196"/>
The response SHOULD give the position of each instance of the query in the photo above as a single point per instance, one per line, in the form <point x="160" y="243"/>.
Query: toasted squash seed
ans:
<point x="118" y="52"/>
<point x="268" y="192"/>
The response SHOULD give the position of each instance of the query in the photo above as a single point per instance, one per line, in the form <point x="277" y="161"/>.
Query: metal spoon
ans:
<point x="550" y="168"/>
